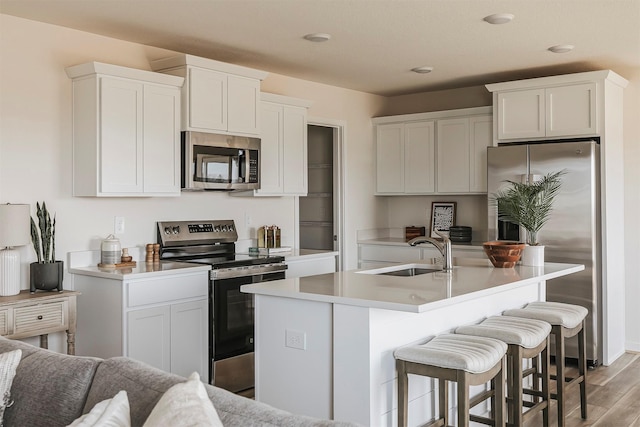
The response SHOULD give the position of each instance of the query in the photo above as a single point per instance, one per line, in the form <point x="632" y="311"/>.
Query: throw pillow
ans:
<point x="113" y="412"/>
<point x="184" y="404"/>
<point x="8" y="364"/>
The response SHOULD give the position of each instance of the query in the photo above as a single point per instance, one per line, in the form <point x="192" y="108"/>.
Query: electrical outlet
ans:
<point x="295" y="339"/>
<point x="118" y="225"/>
<point x="247" y="219"/>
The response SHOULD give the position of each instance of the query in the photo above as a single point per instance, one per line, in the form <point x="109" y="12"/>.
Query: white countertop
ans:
<point x="412" y="294"/>
<point x="141" y="270"/>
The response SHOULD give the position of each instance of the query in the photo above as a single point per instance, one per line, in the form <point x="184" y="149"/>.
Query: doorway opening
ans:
<point x="320" y="211"/>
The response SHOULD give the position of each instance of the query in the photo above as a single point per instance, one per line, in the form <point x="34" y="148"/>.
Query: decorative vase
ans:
<point x="503" y="254"/>
<point x="533" y="256"/>
<point x="46" y="276"/>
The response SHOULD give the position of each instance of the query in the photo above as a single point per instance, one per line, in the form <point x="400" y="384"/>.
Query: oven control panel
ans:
<point x="180" y="232"/>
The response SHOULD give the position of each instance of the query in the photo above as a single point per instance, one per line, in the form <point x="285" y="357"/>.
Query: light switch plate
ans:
<point x="118" y="225"/>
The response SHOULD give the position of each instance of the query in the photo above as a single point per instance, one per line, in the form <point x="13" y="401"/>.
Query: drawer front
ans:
<point x="40" y="317"/>
<point x="167" y="289"/>
<point x="389" y="253"/>
<point x="4" y="322"/>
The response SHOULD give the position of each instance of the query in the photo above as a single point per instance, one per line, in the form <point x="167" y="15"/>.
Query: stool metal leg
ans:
<point x="443" y="400"/>
<point x="582" y="368"/>
<point x="546" y="392"/>
<point x="463" y="400"/>
<point x="403" y="391"/>
<point x="558" y="331"/>
<point x="500" y="413"/>
<point x="515" y="352"/>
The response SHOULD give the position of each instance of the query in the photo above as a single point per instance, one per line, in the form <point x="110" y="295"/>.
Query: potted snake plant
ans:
<point x="529" y="205"/>
<point x="46" y="274"/>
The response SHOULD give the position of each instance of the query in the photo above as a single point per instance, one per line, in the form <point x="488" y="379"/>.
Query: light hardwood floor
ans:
<point x="613" y="397"/>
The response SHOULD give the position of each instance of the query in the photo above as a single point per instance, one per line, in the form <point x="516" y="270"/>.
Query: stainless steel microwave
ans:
<point x="219" y="162"/>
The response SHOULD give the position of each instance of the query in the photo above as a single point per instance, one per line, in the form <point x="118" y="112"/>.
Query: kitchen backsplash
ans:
<point x="416" y="211"/>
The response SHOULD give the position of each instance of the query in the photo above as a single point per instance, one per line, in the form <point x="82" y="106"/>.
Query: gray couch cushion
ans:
<point x="49" y="388"/>
<point x="145" y="385"/>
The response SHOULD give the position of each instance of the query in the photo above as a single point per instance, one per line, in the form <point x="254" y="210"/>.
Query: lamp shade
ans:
<point x="15" y="225"/>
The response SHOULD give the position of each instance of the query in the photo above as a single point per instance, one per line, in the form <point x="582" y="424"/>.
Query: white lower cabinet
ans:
<point x="161" y="321"/>
<point x="310" y="266"/>
<point x="159" y="336"/>
<point x="372" y="255"/>
<point x="149" y="336"/>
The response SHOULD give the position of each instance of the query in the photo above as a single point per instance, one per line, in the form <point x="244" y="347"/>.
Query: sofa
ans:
<point x="52" y="389"/>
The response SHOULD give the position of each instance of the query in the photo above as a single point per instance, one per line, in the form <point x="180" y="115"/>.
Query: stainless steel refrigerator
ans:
<point x="572" y="234"/>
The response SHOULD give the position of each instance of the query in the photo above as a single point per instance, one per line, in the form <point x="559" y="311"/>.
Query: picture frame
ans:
<point x="443" y="216"/>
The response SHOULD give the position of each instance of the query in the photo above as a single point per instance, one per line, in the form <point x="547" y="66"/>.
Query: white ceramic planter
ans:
<point x="532" y="256"/>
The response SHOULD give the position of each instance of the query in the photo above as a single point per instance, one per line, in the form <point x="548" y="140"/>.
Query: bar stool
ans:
<point x="526" y="339"/>
<point x="567" y="320"/>
<point x="465" y="360"/>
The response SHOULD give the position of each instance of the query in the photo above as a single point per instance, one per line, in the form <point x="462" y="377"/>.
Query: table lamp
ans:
<point x="15" y="226"/>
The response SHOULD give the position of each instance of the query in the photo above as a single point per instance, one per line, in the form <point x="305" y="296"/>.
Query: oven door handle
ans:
<point x="228" y="273"/>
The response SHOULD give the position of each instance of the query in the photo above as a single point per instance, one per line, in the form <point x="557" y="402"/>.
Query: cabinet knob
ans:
<point x="40" y="317"/>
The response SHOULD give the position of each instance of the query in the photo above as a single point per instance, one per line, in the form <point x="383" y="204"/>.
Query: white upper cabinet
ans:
<point x="558" y="111"/>
<point x="405" y="158"/>
<point x="566" y="106"/>
<point x="433" y="153"/>
<point x="571" y="110"/>
<point x="126" y="131"/>
<point x="216" y="97"/>
<point x="283" y="147"/>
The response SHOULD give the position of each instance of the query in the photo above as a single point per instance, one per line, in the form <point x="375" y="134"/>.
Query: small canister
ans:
<point x="278" y="239"/>
<point x="271" y="236"/>
<point x="110" y="250"/>
<point x="262" y="237"/>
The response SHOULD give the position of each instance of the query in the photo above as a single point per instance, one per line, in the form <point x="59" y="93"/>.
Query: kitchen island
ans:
<point x="324" y="343"/>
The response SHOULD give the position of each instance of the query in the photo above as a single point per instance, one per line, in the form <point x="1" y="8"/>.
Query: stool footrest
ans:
<point x="481" y="397"/>
<point x="436" y="423"/>
<point x="481" y="420"/>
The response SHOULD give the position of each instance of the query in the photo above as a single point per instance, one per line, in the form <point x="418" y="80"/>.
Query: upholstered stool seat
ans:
<point x="466" y="360"/>
<point x="526" y="339"/>
<point x="566" y="320"/>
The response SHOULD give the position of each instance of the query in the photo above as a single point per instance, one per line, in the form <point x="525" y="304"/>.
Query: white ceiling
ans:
<point x="374" y="43"/>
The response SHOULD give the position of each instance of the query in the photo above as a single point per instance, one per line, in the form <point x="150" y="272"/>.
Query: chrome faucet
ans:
<point x="444" y="247"/>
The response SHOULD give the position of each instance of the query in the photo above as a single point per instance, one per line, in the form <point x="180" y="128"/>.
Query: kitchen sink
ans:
<point x="412" y="271"/>
<point x="405" y="270"/>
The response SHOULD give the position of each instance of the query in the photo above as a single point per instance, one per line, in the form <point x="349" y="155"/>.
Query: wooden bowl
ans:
<point x="503" y="254"/>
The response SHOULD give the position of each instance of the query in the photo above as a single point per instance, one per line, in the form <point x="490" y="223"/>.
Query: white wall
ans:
<point x="632" y="206"/>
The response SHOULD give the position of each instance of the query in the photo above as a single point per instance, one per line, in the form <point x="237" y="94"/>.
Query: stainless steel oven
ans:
<point x="231" y="312"/>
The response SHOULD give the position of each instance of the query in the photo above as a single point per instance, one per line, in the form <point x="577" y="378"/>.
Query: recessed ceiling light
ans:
<point x="561" y="48"/>
<point x="422" y="70"/>
<point x="317" y="37"/>
<point x="499" y="18"/>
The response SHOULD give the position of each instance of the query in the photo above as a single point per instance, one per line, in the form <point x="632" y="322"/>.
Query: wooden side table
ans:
<point x="29" y="315"/>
